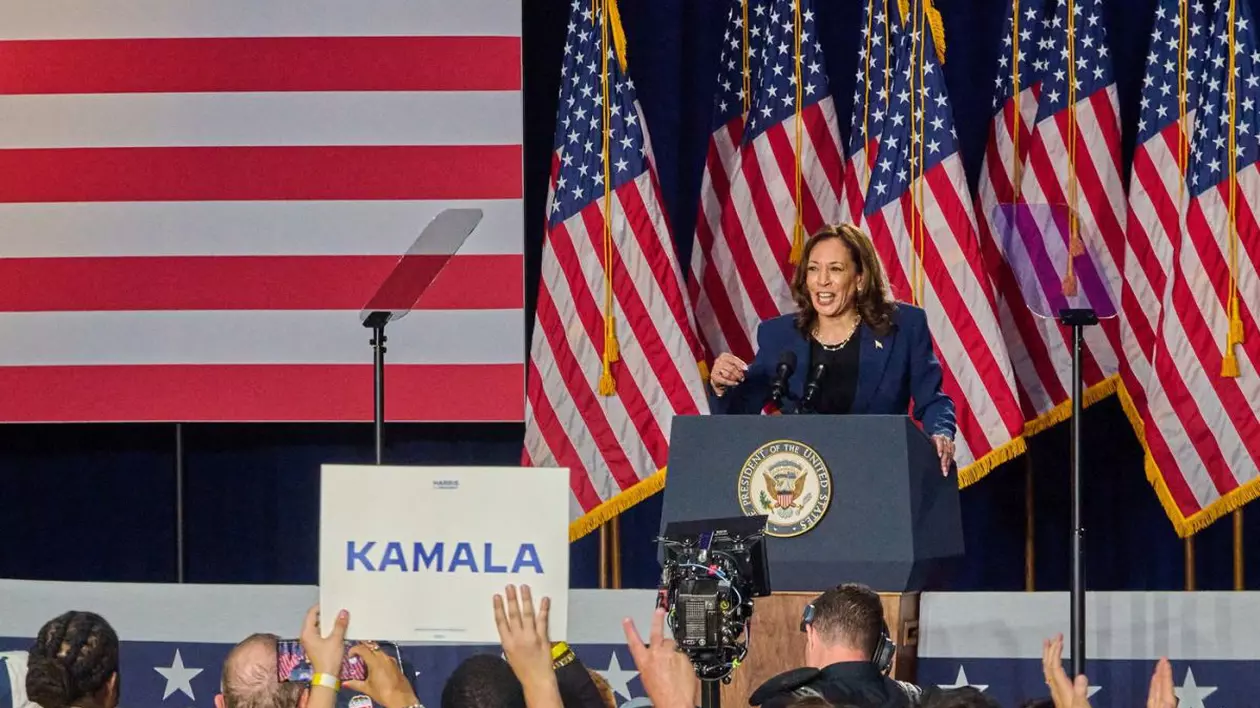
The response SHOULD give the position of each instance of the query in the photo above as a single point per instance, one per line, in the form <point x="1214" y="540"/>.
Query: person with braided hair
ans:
<point x="74" y="662"/>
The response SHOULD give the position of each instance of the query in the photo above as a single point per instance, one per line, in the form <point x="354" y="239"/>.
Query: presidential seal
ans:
<point x="787" y="481"/>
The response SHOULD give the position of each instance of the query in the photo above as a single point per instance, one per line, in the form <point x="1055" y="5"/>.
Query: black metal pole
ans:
<point x="1078" y="533"/>
<point x="179" y="502"/>
<point x="378" y="341"/>
<point x="710" y="694"/>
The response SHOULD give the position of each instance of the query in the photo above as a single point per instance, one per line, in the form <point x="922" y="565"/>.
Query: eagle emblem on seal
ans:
<point x="786" y="486"/>
<point x="787" y="482"/>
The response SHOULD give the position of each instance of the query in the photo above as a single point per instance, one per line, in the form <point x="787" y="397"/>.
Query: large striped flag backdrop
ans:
<point x="1202" y="426"/>
<point x="614" y="355"/>
<point x="197" y="198"/>
<point x="919" y="213"/>
<point x="772" y="175"/>
<point x="1073" y="162"/>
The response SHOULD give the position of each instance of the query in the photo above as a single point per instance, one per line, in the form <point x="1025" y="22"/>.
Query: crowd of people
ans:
<point x="74" y="662"/>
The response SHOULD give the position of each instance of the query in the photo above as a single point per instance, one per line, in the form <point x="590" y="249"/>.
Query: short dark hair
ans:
<point x="483" y="681"/>
<point x="849" y="614"/>
<point x="74" y="656"/>
<point x="964" y="697"/>
<point x="254" y="685"/>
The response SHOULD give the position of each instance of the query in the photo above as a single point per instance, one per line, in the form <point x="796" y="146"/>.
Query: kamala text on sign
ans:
<point x="365" y="556"/>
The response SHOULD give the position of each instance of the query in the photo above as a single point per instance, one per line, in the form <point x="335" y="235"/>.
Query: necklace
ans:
<point x="840" y="344"/>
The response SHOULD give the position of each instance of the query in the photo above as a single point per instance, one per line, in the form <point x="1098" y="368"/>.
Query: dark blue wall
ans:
<point x="98" y="502"/>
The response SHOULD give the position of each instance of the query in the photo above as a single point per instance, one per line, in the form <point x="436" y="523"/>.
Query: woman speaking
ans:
<point x="876" y="354"/>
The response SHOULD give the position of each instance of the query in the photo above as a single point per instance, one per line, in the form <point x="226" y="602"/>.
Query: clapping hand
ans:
<point x="1065" y="692"/>
<point x="1162" y="694"/>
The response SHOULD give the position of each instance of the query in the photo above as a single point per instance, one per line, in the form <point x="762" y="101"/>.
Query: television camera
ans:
<point x="710" y="572"/>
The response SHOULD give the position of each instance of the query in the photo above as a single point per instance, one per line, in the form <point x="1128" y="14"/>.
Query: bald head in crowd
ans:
<point x="249" y="678"/>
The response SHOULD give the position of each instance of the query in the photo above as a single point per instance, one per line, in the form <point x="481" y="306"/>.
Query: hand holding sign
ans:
<point x="523" y="633"/>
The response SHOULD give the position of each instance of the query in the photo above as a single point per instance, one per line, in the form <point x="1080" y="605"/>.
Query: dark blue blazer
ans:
<point x="892" y="370"/>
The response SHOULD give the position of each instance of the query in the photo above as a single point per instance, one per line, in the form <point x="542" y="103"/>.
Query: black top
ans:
<point x="855" y="683"/>
<point x="839" y="382"/>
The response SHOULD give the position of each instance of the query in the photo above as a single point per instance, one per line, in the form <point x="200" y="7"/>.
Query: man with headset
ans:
<point x="848" y="653"/>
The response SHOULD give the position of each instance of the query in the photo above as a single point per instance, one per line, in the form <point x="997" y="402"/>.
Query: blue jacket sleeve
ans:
<point x="749" y="396"/>
<point x="932" y="406"/>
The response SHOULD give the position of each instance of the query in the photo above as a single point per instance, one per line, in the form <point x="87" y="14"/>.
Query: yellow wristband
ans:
<point x="558" y="649"/>
<point x="326" y="680"/>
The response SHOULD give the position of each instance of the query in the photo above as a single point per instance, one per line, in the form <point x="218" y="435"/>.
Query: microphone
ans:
<point x="811" y="388"/>
<point x="787" y="365"/>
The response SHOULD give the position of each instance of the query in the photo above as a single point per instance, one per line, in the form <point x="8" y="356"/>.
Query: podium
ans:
<point x="849" y="499"/>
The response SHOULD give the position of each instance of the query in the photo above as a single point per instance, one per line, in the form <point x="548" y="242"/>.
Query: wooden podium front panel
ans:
<point x="776" y="644"/>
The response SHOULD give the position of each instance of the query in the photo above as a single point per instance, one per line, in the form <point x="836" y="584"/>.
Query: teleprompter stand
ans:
<point x="402" y="289"/>
<point x="1054" y="262"/>
<point x="1078" y="319"/>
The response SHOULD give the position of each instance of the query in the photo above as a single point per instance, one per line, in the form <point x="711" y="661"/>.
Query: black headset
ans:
<point x="885" y="647"/>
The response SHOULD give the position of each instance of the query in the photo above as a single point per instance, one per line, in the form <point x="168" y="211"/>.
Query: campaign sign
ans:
<point x="417" y="554"/>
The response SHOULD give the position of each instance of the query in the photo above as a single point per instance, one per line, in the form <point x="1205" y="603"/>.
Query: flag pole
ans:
<point x="1239" y="582"/>
<point x="179" y="502"/>
<point x="1190" y="571"/>
<point x="603" y="556"/>
<point x="614" y="541"/>
<point x="1030" y="550"/>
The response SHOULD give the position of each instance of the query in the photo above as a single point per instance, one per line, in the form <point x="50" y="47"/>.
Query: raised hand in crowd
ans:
<point x="524" y="636"/>
<point x="666" y="673"/>
<point x="1162" y="694"/>
<point x="1065" y="692"/>
<point x="325" y="655"/>
<point x="386" y="683"/>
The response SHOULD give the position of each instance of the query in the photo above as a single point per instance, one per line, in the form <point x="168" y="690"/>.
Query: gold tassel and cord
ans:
<point x="610" y="28"/>
<point x="798" y="226"/>
<point x="1075" y="246"/>
<point x="1234" y="334"/>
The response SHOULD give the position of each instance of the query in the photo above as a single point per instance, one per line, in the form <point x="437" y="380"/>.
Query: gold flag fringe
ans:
<point x="604" y="513"/>
<point x="1063" y="411"/>
<point x="981" y="468"/>
<point x="1185" y="526"/>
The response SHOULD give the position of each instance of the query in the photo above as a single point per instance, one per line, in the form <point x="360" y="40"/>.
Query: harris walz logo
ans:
<point x="787" y="481"/>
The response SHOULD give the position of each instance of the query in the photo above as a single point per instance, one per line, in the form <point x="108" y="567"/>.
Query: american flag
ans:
<point x="1202" y="429"/>
<point x="1073" y="162"/>
<point x="870" y="103"/>
<point x="741" y="266"/>
<point x="1157" y="189"/>
<point x="614" y="355"/>
<point x="920" y="217"/>
<point x="198" y="198"/>
<point x="1005" y="157"/>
